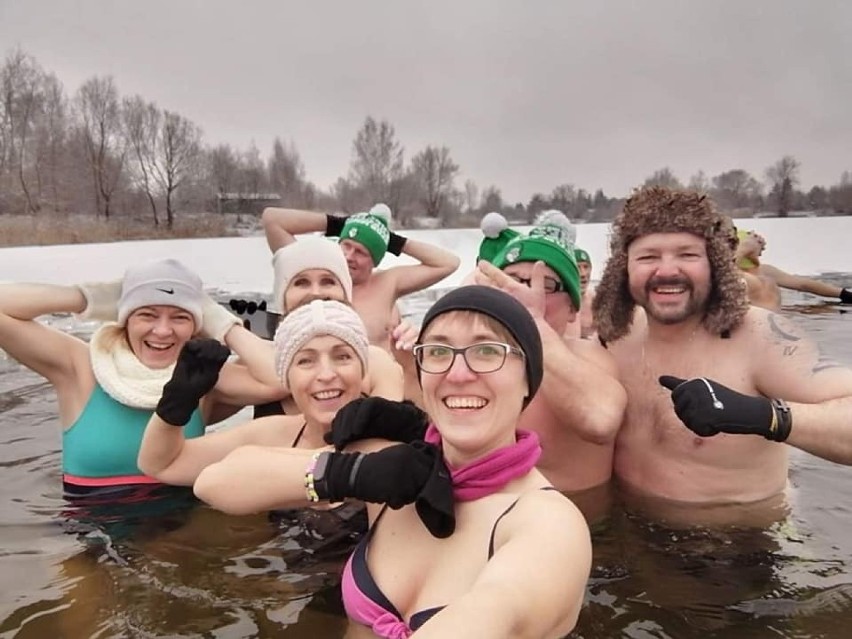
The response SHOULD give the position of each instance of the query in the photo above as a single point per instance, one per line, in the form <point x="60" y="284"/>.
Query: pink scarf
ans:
<point x="495" y="470"/>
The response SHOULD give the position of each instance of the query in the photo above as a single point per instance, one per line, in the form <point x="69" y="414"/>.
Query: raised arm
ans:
<point x="435" y="264"/>
<point x="786" y="366"/>
<point x="57" y="356"/>
<point x="256" y="353"/>
<point x="800" y="283"/>
<point x="165" y="453"/>
<point x="256" y="478"/>
<point x="533" y="586"/>
<point x="581" y="385"/>
<point x="819" y="389"/>
<point x="169" y="457"/>
<point x="385" y="378"/>
<point x="580" y="381"/>
<point x="281" y="225"/>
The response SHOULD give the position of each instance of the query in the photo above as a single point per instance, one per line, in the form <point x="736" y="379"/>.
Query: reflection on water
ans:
<point x="193" y="572"/>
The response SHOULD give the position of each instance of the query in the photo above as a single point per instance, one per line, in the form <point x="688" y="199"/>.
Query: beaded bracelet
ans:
<point x="310" y="489"/>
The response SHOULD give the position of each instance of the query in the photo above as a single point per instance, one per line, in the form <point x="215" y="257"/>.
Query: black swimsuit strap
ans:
<point x="299" y="436"/>
<point x="503" y="514"/>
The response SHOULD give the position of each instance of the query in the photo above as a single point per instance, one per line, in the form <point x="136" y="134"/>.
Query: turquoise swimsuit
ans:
<point x="101" y="447"/>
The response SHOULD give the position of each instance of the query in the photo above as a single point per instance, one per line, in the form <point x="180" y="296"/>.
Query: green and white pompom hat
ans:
<point x="552" y="241"/>
<point x="372" y="230"/>
<point x="497" y="233"/>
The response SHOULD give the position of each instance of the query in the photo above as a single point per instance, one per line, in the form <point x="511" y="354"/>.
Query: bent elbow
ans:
<point x="150" y="468"/>
<point x="606" y="421"/>
<point x="269" y="218"/>
<point x="215" y="490"/>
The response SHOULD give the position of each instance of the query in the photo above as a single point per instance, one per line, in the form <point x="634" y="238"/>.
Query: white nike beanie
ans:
<point x="162" y="283"/>
<point x="308" y="252"/>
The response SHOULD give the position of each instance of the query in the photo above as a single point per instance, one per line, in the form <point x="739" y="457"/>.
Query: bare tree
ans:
<point x="100" y="124"/>
<point x="377" y="161"/>
<point x="471" y="196"/>
<point x="435" y="174"/>
<point x="699" y="182"/>
<point x="492" y="199"/>
<point x="252" y="172"/>
<point x="663" y="177"/>
<point x="142" y="121"/>
<point x="178" y="148"/>
<point x="736" y="189"/>
<point x="840" y="195"/>
<point x="286" y="173"/>
<point x="345" y="195"/>
<point x="563" y="198"/>
<point x="51" y="136"/>
<point x="22" y="81"/>
<point x="783" y="176"/>
<point x="223" y="168"/>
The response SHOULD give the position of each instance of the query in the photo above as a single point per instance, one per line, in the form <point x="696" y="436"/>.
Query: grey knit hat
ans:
<point x="162" y="283"/>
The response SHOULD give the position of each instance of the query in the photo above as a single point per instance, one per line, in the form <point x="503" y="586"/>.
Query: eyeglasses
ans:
<point x="551" y="285"/>
<point x="485" y="357"/>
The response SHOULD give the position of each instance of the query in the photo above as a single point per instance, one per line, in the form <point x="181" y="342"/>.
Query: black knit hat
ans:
<point x="506" y="310"/>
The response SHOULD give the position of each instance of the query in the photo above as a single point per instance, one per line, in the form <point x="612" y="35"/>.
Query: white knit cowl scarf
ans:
<point x="122" y="376"/>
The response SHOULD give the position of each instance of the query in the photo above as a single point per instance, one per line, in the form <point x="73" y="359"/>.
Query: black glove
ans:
<point x="845" y="296"/>
<point x="396" y="476"/>
<point x="376" y="417"/>
<point x="246" y="308"/>
<point x="196" y="372"/>
<point x="396" y="243"/>
<point x="708" y="408"/>
<point x="334" y="225"/>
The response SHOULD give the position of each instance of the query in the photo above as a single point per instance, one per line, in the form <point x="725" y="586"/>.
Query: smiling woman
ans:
<point x="108" y="388"/>
<point x="321" y="359"/>
<point x="462" y="491"/>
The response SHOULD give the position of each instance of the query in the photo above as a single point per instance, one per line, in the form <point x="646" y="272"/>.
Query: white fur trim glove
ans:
<point x="216" y="320"/>
<point x="101" y="300"/>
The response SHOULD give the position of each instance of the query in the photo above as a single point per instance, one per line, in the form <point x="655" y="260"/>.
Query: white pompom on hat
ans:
<point x="308" y="252"/>
<point x="161" y="283"/>
<point x="492" y="224"/>
<point x="382" y="210"/>
<point x="320" y="317"/>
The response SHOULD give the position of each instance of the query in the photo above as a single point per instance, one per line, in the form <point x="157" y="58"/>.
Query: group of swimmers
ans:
<point x="522" y="393"/>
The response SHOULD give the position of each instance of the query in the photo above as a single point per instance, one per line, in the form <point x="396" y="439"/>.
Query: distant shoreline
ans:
<point x="48" y="229"/>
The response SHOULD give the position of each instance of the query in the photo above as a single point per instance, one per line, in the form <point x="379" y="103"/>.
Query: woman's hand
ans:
<point x="196" y="373"/>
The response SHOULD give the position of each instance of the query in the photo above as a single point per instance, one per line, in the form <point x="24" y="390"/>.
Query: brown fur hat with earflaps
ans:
<point x="657" y="209"/>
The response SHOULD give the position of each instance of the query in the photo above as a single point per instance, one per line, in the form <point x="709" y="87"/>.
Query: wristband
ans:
<point x="782" y="421"/>
<point x="334" y="225"/>
<point x="396" y="243"/>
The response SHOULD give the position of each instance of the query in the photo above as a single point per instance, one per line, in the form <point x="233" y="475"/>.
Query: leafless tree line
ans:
<point x="102" y="154"/>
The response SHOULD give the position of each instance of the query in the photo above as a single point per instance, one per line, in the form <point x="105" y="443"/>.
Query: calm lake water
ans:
<point x="175" y="568"/>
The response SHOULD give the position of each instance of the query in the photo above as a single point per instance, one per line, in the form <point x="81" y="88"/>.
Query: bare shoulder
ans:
<point x="273" y="430"/>
<point x="768" y="326"/>
<point x="551" y="510"/>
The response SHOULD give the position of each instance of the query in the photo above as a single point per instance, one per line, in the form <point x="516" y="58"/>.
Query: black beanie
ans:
<point x="508" y="311"/>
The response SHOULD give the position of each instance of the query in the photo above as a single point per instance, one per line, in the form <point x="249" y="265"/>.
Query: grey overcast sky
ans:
<point x="526" y="94"/>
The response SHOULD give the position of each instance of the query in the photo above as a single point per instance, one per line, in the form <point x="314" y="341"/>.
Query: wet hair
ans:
<point x="658" y="209"/>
